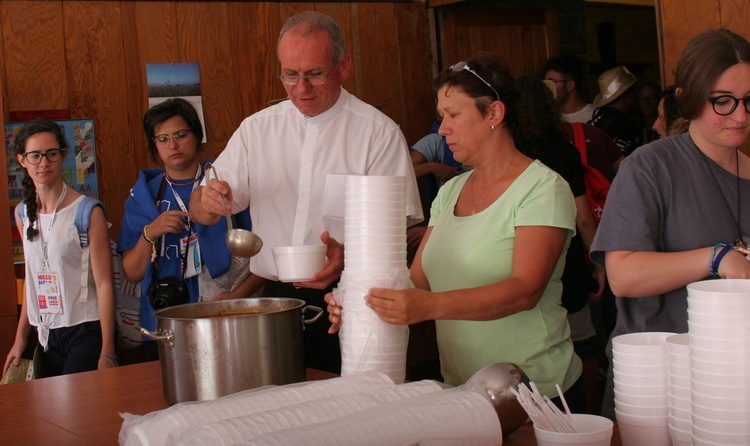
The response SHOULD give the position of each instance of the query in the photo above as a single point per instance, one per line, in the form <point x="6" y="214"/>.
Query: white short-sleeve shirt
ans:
<point x="278" y="160"/>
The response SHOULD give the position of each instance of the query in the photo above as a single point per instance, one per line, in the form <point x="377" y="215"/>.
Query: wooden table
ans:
<point x="83" y="409"/>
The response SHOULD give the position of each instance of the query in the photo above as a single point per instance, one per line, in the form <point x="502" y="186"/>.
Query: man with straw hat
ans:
<point x="612" y="105"/>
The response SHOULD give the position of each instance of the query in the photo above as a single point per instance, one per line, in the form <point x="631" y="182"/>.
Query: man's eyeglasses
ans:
<point x="313" y="79"/>
<point x="52" y="155"/>
<point x="177" y="136"/>
<point x="464" y="66"/>
<point x="725" y="104"/>
<point x="559" y="81"/>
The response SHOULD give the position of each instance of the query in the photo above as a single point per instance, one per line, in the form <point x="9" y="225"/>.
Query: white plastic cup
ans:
<point x="644" y="343"/>
<point x="593" y="430"/>
<point x="641" y="431"/>
<point x="641" y="400"/>
<point x="711" y="343"/>
<point x="642" y="368"/>
<point x="718" y="334"/>
<point x="640" y="389"/>
<point x="298" y="263"/>
<point x="375" y="179"/>
<point x="715" y="437"/>
<point x="638" y="409"/>
<point x="725" y="291"/>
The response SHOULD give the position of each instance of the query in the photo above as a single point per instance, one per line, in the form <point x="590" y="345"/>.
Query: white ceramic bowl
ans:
<point x="298" y="263"/>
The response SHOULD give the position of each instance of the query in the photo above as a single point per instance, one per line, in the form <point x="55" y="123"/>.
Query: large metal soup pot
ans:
<point x="212" y="349"/>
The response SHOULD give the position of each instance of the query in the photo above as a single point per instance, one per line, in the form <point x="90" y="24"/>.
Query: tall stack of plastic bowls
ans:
<point x="374" y="257"/>
<point x="718" y="321"/>
<point x="680" y="415"/>
<point x="375" y="223"/>
<point x="641" y="376"/>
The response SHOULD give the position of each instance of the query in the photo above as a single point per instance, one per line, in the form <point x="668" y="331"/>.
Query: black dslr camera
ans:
<point x="167" y="291"/>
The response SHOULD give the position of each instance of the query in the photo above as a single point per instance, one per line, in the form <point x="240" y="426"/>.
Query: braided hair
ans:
<point x="30" y="129"/>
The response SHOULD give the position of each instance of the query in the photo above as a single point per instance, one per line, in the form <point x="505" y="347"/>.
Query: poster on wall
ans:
<point x="79" y="167"/>
<point x="176" y="80"/>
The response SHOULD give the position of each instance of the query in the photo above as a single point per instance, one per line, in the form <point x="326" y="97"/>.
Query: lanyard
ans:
<point x="45" y="262"/>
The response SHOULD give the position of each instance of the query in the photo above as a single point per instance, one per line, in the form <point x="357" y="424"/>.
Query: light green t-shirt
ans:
<point x="477" y="250"/>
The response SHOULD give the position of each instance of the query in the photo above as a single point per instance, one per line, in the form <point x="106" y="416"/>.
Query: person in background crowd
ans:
<point x="279" y="159"/>
<point x="488" y="269"/>
<point x="648" y="93"/>
<point x="669" y="122"/>
<point x="568" y="72"/>
<point x="612" y="107"/>
<point x="539" y="134"/>
<point x="650" y="246"/>
<point x="432" y="160"/>
<point x="157" y="228"/>
<point x="75" y="324"/>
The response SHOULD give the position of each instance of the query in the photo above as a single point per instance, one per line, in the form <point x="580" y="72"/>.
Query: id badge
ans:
<point x="193" y="259"/>
<point x="48" y="293"/>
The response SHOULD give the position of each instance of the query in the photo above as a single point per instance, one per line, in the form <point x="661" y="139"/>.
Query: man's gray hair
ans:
<point x="308" y="22"/>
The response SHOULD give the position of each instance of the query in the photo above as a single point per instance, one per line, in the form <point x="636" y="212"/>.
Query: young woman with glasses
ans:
<point x="489" y="266"/>
<point x="676" y="210"/>
<point x="176" y="260"/>
<point x="75" y="324"/>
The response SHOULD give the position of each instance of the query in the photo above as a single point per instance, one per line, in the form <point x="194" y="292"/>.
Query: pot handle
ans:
<point x="314" y="318"/>
<point x="168" y="337"/>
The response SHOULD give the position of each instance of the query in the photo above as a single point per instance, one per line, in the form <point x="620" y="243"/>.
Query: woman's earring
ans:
<point x="492" y="127"/>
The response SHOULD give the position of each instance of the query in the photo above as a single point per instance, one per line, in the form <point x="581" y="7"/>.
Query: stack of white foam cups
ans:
<point x="374" y="257"/>
<point x="719" y="336"/>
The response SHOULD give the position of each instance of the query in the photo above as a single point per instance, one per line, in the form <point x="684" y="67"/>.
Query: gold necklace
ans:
<point x="474" y="180"/>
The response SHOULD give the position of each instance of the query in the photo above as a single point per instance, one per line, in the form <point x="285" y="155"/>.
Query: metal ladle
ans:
<point x="495" y="381"/>
<point x="241" y="242"/>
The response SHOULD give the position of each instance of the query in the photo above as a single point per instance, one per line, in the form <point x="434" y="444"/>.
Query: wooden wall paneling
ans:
<point x="96" y="82"/>
<point x="346" y="15"/>
<point x="8" y="304"/>
<point x="682" y="20"/>
<point x="521" y="37"/>
<point x="34" y="55"/>
<point x="203" y="37"/>
<point x="151" y="30"/>
<point x="415" y="72"/>
<point x="379" y="46"/>
<point x="734" y="16"/>
<point x="254" y="28"/>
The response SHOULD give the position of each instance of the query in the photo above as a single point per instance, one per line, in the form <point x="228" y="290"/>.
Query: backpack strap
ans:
<point x="82" y="221"/>
<point x="580" y="141"/>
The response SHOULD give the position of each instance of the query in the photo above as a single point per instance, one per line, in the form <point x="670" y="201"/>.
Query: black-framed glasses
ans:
<point x="177" y="136"/>
<point x="312" y="79"/>
<point x="559" y="81"/>
<point x="464" y="66"/>
<point x="52" y="155"/>
<point x="726" y="104"/>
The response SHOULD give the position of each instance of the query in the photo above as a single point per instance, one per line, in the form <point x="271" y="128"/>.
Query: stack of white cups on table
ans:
<point x="719" y="335"/>
<point x="641" y="379"/>
<point x="374" y="257"/>
<point x="680" y="415"/>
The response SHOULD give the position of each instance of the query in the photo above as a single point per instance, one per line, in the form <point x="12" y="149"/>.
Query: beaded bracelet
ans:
<point x="713" y="264"/>
<point x="153" y="243"/>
